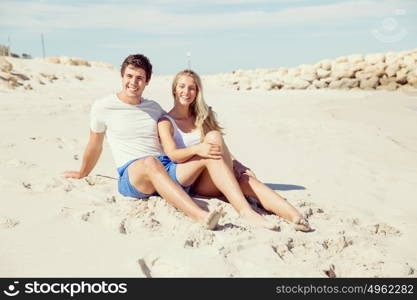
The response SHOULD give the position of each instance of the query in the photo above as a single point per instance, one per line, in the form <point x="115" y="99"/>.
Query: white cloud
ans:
<point x="153" y="20"/>
<point x="206" y="2"/>
<point x="164" y="43"/>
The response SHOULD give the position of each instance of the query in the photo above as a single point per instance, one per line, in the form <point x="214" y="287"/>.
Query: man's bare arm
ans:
<point x="91" y="155"/>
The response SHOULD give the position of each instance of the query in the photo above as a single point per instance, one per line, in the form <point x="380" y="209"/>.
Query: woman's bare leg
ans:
<point x="272" y="201"/>
<point x="252" y="187"/>
<point x="224" y="179"/>
<point x="204" y="185"/>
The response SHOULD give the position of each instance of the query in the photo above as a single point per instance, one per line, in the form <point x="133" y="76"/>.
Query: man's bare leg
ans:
<point x="148" y="175"/>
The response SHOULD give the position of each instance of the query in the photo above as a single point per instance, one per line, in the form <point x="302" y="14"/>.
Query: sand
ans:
<point x="345" y="159"/>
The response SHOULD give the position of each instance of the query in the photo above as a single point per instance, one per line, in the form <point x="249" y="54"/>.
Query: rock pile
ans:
<point x="390" y="71"/>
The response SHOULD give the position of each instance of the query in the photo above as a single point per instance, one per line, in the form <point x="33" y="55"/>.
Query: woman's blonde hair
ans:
<point x="205" y="117"/>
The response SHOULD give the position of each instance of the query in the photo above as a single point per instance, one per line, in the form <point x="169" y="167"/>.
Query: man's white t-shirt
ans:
<point x="131" y="130"/>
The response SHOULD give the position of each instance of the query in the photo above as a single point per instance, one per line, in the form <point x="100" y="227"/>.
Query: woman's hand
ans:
<point x="209" y="150"/>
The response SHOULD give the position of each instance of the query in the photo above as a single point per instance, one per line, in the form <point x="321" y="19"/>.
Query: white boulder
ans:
<point x="326" y="64"/>
<point x="321" y="84"/>
<point x="355" y="58"/>
<point x="344" y="83"/>
<point x="375" y="58"/>
<point x="402" y="76"/>
<point x="368" y="84"/>
<point x="342" y="70"/>
<point x="322" y="73"/>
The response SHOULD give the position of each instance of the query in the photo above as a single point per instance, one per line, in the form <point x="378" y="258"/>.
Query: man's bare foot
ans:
<point x="301" y="224"/>
<point x="212" y="218"/>
<point x="257" y="220"/>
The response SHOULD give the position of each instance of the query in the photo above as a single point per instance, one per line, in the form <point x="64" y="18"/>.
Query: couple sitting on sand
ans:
<point x="175" y="154"/>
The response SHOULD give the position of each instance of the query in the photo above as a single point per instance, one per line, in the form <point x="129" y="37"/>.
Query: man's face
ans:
<point x="134" y="81"/>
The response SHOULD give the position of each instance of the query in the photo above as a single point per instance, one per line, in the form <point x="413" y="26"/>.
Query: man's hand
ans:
<point x="73" y="174"/>
<point x="240" y="170"/>
<point x="91" y="155"/>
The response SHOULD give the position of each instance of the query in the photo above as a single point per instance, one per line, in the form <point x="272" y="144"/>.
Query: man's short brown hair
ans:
<point x="138" y="61"/>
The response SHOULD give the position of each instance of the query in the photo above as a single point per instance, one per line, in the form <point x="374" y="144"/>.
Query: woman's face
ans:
<point x="185" y="90"/>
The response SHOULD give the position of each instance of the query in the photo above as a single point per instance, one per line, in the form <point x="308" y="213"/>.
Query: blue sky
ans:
<point x="221" y="35"/>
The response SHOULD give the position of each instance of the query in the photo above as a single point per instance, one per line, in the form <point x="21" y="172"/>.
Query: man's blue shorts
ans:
<point x="126" y="189"/>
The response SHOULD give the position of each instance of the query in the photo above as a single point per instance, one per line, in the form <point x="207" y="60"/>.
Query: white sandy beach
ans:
<point x="345" y="158"/>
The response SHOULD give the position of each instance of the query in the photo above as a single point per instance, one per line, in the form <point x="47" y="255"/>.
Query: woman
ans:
<point x="191" y="136"/>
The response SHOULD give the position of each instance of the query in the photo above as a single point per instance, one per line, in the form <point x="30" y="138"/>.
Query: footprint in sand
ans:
<point x="65" y="143"/>
<point x="411" y="270"/>
<point x="60" y="142"/>
<point x="304" y="204"/>
<point x="86" y="216"/>
<point x="133" y="224"/>
<point x="231" y="228"/>
<point x="308" y="213"/>
<point x="122" y="227"/>
<point x="65" y="184"/>
<point x="384" y="229"/>
<point x="199" y="238"/>
<point x="111" y="199"/>
<point x="55" y="182"/>
<point x="354" y="221"/>
<point x="71" y="212"/>
<point x="7" y="223"/>
<point x="330" y="272"/>
<point x="66" y="211"/>
<point x="90" y="180"/>
<point x="27" y="185"/>
<point x="98" y="179"/>
<point x="68" y="187"/>
<point x="8" y="145"/>
<point x="338" y="245"/>
<point x="311" y="210"/>
<point x="283" y="249"/>
<point x="20" y="163"/>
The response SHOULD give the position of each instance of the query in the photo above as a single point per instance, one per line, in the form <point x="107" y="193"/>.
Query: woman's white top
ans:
<point x="184" y="139"/>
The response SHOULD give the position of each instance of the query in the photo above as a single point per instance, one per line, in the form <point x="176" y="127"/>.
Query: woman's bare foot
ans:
<point x="212" y="218"/>
<point x="301" y="224"/>
<point x="256" y="219"/>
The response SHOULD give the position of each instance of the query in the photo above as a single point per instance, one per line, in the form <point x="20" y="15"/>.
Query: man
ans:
<point x="130" y="123"/>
